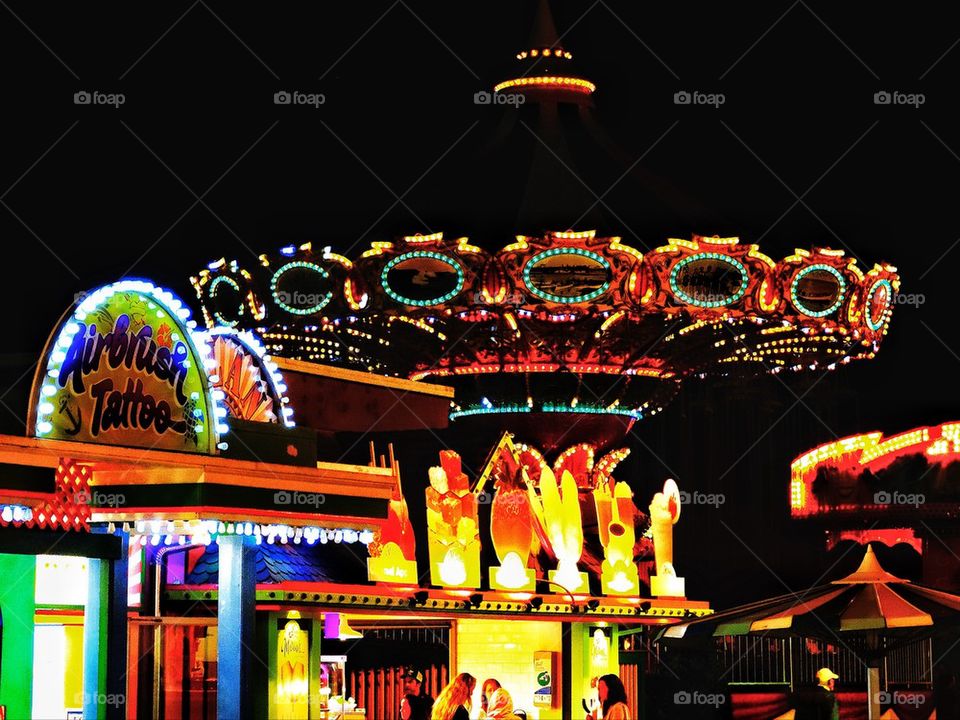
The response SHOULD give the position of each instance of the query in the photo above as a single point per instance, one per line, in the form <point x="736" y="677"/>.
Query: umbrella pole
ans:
<point x="874" y="645"/>
<point x="873" y="692"/>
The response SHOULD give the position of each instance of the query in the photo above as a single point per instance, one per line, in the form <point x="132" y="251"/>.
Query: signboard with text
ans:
<point x="123" y="369"/>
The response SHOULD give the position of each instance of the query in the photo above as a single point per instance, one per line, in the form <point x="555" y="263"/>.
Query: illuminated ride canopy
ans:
<point x="869" y="480"/>
<point x="564" y="323"/>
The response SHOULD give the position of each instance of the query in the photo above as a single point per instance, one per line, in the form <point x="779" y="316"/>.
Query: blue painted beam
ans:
<point x="105" y="637"/>
<point x="236" y="653"/>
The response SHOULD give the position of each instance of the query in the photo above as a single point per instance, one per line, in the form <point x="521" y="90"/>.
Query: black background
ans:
<point x="91" y="194"/>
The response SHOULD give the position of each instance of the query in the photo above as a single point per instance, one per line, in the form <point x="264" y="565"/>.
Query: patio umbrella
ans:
<point x="870" y="602"/>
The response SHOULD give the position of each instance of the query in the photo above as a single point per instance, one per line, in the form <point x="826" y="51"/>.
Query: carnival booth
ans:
<point x="190" y="556"/>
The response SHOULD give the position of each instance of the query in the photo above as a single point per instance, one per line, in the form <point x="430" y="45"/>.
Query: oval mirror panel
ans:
<point x="818" y="290"/>
<point x="226" y="300"/>
<point x="708" y="280"/>
<point x="301" y="288"/>
<point x="877" y="303"/>
<point x="567" y="275"/>
<point x="422" y="278"/>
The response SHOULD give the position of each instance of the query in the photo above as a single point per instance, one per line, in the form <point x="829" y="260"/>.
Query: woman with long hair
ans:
<point x="500" y="706"/>
<point x="613" y="698"/>
<point x="490" y="685"/>
<point x="454" y="702"/>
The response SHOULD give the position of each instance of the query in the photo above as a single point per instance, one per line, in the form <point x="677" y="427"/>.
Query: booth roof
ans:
<point x="278" y="563"/>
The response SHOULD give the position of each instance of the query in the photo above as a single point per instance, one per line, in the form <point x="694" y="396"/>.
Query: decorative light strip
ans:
<point x="424" y="254"/>
<point x="355" y="303"/>
<point x="419" y="324"/>
<point x="306" y="266"/>
<point x="328" y="254"/>
<point x="867" y="310"/>
<point x="585" y="369"/>
<point x="169" y="304"/>
<point x="550" y="81"/>
<point x="618" y="246"/>
<point x="491" y="410"/>
<point x="546" y="408"/>
<point x="717" y="240"/>
<point x="464" y="246"/>
<point x="16" y="514"/>
<point x="897" y="442"/>
<point x="806" y="271"/>
<point x="520" y="244"/>
<point x="761" y="297"/>
<point x="376" y="248"/>
<point x="418" y="238"/>
<point x="196" y="532"/>
<point x="608" y="322"/>
<point x="608" y="463"/>
<point x="674" y="244"/>
<point x="274" y="379"/>
<point x="212" y="293"/>
<point x="798" y="494"/>
<point x="550" y="297"/>
<point x="546" y="52"/>
<point x="574" y="234"/>
<point x="754" y="252"/>
<point x="590" y="410"/>
<point x="852" y="267"/>
<point x="690" y="300"/>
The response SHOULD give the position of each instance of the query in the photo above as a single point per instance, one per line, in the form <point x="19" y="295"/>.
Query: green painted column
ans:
<point x="17" y="604"/>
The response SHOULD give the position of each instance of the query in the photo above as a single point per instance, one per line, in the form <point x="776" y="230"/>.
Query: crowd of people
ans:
<point x="455" y="701"/>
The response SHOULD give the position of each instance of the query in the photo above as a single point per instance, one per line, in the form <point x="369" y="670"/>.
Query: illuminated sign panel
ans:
<point x="123" y="368"/>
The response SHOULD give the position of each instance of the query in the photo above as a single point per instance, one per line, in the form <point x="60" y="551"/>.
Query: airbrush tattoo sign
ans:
<point x="125" y="372"/>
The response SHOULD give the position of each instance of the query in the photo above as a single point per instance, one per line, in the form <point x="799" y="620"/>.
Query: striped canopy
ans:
<point x="870" y="599"/>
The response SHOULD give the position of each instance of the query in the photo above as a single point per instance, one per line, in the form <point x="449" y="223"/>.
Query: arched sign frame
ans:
<point x="269" y="371"/>
<point x="203" y="413"/>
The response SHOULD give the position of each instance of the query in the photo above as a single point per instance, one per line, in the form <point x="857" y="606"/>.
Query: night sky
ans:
<point x="199" y="163"/>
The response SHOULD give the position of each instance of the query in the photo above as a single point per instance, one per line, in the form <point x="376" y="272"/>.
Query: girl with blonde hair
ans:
<point x="454" y="702"/>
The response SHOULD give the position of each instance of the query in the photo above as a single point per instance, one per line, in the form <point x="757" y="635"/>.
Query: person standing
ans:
<point x="415" y="704"/>
<point x="820" y="703"/>
<point x="453" y="702"/>
<point x="490" y="685"/>
<point x="613" y="699"/>
<point x="500" y="706"/>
